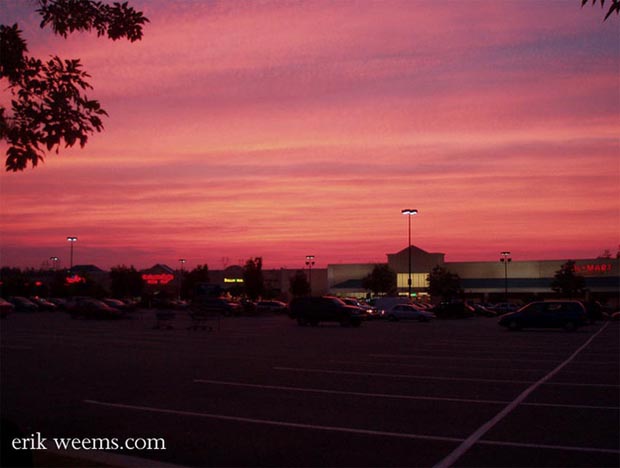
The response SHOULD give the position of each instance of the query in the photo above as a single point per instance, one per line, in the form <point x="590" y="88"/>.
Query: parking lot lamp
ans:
<point x="309" y="263"/>
<point x="54" y="261"/>
<point x="409" y="212"/>
<point x="72" y="240"/>
<point x="505" y="259"/>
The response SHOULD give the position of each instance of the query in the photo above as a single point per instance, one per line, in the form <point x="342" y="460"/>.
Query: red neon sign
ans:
<point x="591" y="268"/>
<point x="75" y="279"/>
<point x="161" y="278"/>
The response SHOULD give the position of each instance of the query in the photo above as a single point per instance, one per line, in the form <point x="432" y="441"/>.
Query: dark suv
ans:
<point x="312" y="310"/>
<point x="550" y="314"/>
<point x="453" y="310"/>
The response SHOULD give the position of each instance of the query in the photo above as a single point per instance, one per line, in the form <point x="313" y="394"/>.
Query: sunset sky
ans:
<point x="281" y="129"/>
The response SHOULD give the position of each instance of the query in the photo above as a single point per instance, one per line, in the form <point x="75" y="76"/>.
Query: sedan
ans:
<point x="409" y="312"/>
<point x="23" y="305"/>
<point x="552" y="314"/>
<point x="5" y="308"/>
<point x="95" y="309"/>
<point x="271" y="306"/>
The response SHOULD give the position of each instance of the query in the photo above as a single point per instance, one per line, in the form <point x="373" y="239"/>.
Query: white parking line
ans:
<point x="548" y="447"/>
<point x="270" y="422"/>
<point x="349" y="430"/>
<point x="461" y="357"/>
<point x="431" y="377"/>
<point x="475" y="437"/>
<point x="392" y="395"/>
<point x="428" y="366"/>
<point x="343" y="392"/>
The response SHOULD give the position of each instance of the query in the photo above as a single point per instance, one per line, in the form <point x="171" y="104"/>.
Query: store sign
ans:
<point x="75" y="279"/>
<point x="593" y="268"/>
<point x="233" y="280"/>
<point x="161" y="278"/>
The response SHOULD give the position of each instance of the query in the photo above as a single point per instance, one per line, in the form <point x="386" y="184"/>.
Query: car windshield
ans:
<point x="337" y="301"/>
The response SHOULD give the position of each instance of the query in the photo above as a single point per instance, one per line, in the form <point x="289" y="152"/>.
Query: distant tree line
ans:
<point x="127" y="282"/>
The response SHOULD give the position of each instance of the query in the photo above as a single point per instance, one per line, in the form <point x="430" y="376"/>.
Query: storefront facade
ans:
<point x="483" y="281"/>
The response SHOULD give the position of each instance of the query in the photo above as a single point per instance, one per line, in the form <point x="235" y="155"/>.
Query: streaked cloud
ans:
<point x="240" y="129"/>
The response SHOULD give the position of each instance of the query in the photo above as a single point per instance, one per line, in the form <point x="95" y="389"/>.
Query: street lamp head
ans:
<point x="505" y="257"/>
<point x="409" y="212"/>
<point x="72" y="239"/>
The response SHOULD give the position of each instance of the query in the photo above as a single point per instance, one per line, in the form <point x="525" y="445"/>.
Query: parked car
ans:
<point x="453" y="310"/>
<point x="483" y="311"/>
<point x="551" y="314"/>
<point x="271" y="306"/>
<point x="504" y="308"/>
<point x="60" y="302"/>
<point x="383" y="304"/>
<point x="409" y="312"/>
<point x="6" y="308"/>
<point x="94" y="309"/>
<point x="313" y="310"/>
<point x="370" y="311"/>
<point x="116" y="303"/>
<point x="216" y="305"/>
<point x="594" y="310"/>
<point x="44" y="304"/>
<point x="23" y="305"/>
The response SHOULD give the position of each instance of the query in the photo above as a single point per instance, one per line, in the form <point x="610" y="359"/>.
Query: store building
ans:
<point x="482" y="281"/>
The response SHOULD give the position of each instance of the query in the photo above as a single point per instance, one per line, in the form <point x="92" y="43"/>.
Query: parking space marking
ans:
<point x="349" y="430"/>
<point x="425" y="366"/>
<point x="343" y="392"/>
<point x="468" y="358"/>
<point x="392" y="395"/>
<point x="548" y="447"/>
<point x="431" y="377"/>
<point x="476" y="436"/>
<point x="270" y="422"/>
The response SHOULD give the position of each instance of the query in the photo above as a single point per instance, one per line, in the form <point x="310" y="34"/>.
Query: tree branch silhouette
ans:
<point x="49" y="105"/>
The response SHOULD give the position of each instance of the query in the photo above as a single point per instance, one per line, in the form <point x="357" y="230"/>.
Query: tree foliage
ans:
<point x="382" y="279"/>
<point x="253" y="278"/>
<point x="568" y="283"/>
<point x="614" y="6"/>
<point x="49" y="105"/>
<point x="126" y="282"/>
<point x="299" y="285"/>
<point x="200" y="274"/>
<point x="443" y="283"/>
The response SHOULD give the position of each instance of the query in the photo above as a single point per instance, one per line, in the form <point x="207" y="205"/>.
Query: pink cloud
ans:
<point x="279" y="129"/>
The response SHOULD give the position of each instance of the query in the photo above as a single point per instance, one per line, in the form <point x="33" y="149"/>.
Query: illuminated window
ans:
<point x="418" y="280"/>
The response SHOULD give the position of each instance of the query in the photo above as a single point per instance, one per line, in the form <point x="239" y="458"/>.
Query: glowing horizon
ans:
<point x="274" y="129"/>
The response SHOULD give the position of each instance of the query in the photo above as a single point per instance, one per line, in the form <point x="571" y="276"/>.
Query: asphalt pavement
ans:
<point x="262" y="391"/>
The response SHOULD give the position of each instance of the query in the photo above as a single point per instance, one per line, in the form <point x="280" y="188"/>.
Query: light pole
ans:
<point x="309" y="263"/>
<point x="54" y="261"/>
<point x="505" y="259"/>
<point x="409" y="212"/>
<point x="182" y="262"/>
<point x="72" y="240"/>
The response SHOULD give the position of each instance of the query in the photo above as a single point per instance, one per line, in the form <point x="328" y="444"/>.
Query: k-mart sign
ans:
<point x="603" y="268"/>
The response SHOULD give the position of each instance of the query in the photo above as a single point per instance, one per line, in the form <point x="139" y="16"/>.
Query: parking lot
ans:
<point x="262" y="391"/>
